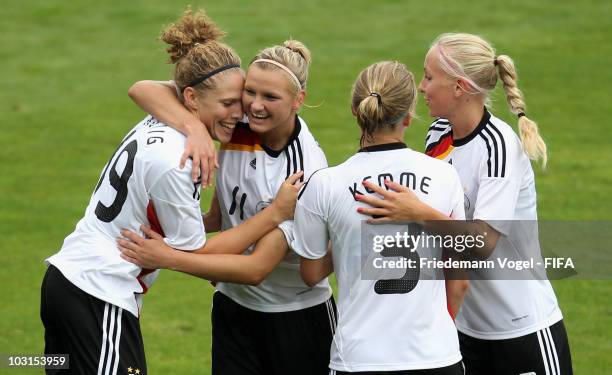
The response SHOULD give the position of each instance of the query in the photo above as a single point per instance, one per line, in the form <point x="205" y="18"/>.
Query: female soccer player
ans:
<point x="384" y="326"/>
<point x="277" y="325"/>
<point x="506" y="326"/>
<point x="90" y="297"/>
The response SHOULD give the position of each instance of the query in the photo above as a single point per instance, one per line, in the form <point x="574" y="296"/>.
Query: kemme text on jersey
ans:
<point x="407" y="179"/>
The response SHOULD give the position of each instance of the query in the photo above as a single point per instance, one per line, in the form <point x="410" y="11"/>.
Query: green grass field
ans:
<point x="67" y="65"/>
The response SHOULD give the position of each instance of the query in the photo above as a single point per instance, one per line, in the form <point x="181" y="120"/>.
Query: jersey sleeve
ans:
<point x="316" y="161"/>
<point x="176" y="201"/>
<point x="500" y="177"/>
<point x="310" y="235"/>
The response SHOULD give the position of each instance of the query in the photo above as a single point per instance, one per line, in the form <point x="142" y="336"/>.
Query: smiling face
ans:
<point x="221" y="108"/>
<point x="438" y="89"/>
<point x="269" y="102"/>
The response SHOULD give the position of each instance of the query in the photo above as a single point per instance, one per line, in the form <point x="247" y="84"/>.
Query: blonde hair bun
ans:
<point x="191" y="29"/>
<point x="292" y="54"/>
<point x="298" y="47"/>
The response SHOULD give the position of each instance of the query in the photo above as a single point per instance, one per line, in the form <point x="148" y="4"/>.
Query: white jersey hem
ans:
<point x="395" y="366"/>
<point x="72" y="278"/>
<point x="286" y="307"/>
<point x="554" y="318"/>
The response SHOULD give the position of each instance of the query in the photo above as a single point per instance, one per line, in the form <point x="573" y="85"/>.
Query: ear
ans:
<point x="406" y="121"/>
<point x="461" y="88"/>
<point x="299" y="100"/>
<point x="191" y="100"/>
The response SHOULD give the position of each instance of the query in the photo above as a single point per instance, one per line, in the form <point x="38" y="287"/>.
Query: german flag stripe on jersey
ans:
<point x="243" y="139"/>
<point x="442" y="147"/>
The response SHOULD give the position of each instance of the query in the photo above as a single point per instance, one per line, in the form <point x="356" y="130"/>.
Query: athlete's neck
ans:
<point x="384" y="138"/>
<point x="277" y="138"/>
<point x="466" y="118"/>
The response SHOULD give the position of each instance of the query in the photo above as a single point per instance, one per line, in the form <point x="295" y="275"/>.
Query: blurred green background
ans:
<point x="66" y="67"/>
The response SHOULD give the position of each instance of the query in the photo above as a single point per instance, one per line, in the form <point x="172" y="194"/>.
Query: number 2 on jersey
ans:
<point x="118" y="182"/>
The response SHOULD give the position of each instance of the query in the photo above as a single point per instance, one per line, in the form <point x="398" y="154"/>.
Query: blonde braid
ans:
<point x="532" y="142"/>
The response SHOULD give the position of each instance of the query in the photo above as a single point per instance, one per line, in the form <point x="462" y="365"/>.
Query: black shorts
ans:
<point x="258" y="343"/>
<point x="545" y="352"/>
<point x="456" y="369"/>
<point x="97" y="336"/>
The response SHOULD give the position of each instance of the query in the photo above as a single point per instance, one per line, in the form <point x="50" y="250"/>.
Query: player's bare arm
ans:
<point x="457" y="285"/>
<point x="159" y="98"/>
<point x="281" y="209"/>
<point x="212" y="218"/>
<point x="315" y="270"/>
<point x="249" y="269"/>
<point x="455" y="293"/>
<point x="153" y="252"/>
<point x="401" y="204"/>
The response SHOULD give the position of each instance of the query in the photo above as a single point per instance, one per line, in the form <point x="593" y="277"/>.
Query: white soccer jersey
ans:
<point x="249" y="178"/>
<point x="379" y="331"/>
<point x="142" y="183"/>
<point x="499" y="185"/>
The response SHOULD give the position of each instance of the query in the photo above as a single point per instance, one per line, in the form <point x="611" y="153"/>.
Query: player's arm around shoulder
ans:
<point x="163" y="100"/>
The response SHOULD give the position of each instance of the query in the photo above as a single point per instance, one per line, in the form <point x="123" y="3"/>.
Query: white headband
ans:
<point x="283" y="67"/>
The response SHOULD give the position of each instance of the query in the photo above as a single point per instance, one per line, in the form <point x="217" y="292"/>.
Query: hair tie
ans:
<point x="521" y="114"/>
<point x="495" y="62"/>
<point x="296" y="51"/>
<point x="377" y="96"/>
